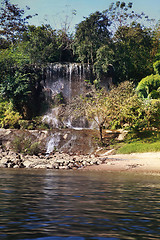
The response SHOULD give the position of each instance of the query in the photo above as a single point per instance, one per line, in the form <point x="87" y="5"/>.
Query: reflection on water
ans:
<point x="46" y="205"/>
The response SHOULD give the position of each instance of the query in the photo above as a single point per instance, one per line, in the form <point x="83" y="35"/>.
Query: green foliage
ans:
<point x="23" y="144"/>
<point x="143" y="141"/>
<point x="148" y="85"/>
<point x="13" y="20"/>
<point x="104" y="58"/>
<point x="8" y="117"/>
<point x="91" y="34"/>
<point x="120" y="107"/>
<point x="93" y="43"/>
<point x="129" y="63"/>
<point x="33" y="124"/>
<point x="20" y="81"/>
<point x="156" y="67"/>
<point x="41" y="44"/>
<point x="58" y="99"/>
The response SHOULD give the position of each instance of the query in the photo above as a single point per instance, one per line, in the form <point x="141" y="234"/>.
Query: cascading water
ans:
<point x="53" y="143"/>
<point x="69" y="80"/>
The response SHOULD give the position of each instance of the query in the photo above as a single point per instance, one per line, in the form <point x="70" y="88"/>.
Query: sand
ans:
<point x="135" y="162"/>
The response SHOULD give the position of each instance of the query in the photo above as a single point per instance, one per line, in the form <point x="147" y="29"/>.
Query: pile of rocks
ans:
<point x="9" y="159"/>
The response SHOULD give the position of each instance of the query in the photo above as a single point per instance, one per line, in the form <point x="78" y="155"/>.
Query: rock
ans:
<point x="27" y="163"/>
<point x="63" y="167"/>
<point x="15" y="166"/>
<point x="70" y="165"/>
<point x="11" y="164"/>
<point x="55" y="166"/>
<point x="21" y="165"/>
<point x="98" y="162"/>
<point x="65" y="136"/>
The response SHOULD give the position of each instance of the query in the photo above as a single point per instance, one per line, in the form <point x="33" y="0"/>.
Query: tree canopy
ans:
<point x="12" y="20"/>
<point x="117" y="42"/>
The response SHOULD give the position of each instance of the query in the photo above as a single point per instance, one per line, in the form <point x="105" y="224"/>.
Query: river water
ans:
<point x="78" y="205"/>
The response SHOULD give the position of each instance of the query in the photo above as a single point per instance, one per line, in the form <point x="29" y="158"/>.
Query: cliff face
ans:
<point x="66" y="140"/>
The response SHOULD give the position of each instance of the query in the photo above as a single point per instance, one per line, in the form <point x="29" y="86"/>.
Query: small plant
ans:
<point x="34" y="149"/>
<point x="23" y="144"/>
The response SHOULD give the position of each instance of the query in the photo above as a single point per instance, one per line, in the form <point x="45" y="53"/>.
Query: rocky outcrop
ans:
<point x="63" y="161"/>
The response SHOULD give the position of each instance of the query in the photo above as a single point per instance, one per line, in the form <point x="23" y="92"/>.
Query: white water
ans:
<point x="53" y="142"/>
<point x="67" y="79"/>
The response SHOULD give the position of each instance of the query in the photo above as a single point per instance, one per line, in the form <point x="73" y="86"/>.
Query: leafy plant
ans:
<point x="24" y="144"/>
<point x="149" y="84"/>
<point x="9" y="118"/>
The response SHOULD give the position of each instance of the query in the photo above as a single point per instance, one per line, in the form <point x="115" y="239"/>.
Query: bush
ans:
<point x="33" y="124"/>
<point x="148" y="84"/>
<point x="23" y="144"/>
<point x="34" y="149"/>
<point x="156" y="67"/>
<point x="9" y="118"/>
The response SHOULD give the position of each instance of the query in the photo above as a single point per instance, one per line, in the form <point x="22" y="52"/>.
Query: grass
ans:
<point x="139" y="147"/>
<point x="146" y="141"/>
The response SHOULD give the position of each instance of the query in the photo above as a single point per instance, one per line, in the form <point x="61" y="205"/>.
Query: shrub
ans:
<point x="23" y="144"/>
<point x="9" y="117"/>
<point x="156" y="67"/>
<point x="34" y="149"/>
<point x="148" y="84"/>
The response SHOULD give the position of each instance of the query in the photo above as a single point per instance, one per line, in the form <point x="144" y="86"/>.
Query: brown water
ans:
<point x="80" y="205"/>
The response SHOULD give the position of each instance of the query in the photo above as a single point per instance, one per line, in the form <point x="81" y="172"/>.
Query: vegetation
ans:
<point x="120" y="107"/>
<point x="144" y="141"/>
<point x="24" y="144"/>
<point x="117" y="42"/>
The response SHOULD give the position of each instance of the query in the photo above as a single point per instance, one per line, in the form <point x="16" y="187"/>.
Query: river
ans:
<point x="78" y="205"/>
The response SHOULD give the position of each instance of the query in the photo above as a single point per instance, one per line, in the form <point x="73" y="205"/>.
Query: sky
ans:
<point x="54" y="12"/>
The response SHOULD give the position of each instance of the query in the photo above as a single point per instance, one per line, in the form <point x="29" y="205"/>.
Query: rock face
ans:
<point x="69" y="141"/>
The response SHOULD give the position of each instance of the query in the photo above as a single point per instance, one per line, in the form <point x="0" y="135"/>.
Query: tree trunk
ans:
<point x="100" y="131"/>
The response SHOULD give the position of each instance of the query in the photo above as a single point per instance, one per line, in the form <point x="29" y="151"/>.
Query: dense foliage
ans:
<point x="117" y="38"/>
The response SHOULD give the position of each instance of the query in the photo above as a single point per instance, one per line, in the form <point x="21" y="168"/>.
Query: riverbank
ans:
<point x="137" y="162"/>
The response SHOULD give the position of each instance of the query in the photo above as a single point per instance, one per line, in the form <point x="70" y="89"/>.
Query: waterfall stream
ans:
<point x="69" y="80"/>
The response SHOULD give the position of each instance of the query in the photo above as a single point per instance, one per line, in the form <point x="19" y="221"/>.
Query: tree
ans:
<point x="92" y="106"/>
<point x="156" y="67"/>
<point x="20" y="81"/>
<point x="23" y="89"/>
<point x="65" y="41"/>
<point x="41" y="44"/>
<point x="129" y="63"/>
<point x="121" y="14"/>
<point x="12" y="21"/>
<point x="90" y="35"/>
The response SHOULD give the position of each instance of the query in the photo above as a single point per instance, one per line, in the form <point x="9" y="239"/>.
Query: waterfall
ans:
<point x="67" y="78"/>
<point x="53" y="143"/>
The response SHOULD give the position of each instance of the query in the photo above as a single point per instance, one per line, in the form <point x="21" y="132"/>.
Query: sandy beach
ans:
<point x="138" y="162"/>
